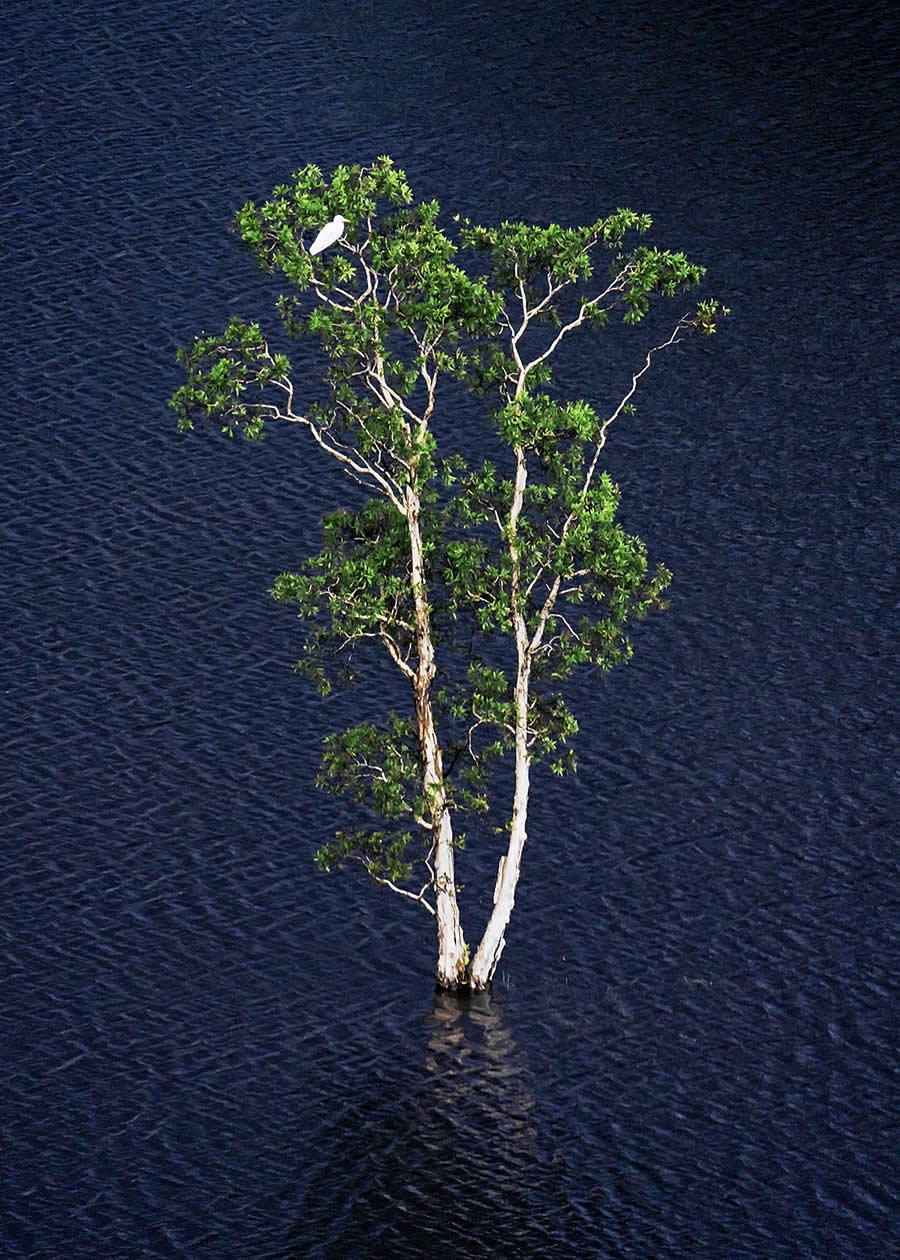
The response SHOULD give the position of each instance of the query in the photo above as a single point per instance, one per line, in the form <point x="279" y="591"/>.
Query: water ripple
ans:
<point x="210" y="1051"/>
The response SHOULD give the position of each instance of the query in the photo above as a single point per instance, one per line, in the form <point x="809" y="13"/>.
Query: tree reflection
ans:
<point x="438" y="1150"/>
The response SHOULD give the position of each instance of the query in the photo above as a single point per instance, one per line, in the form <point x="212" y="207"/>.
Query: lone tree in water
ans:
<point x="486" y="582"/>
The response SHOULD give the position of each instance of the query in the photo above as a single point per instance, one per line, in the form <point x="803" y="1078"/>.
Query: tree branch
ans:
<point x="672" y="340"/>
<point x="404" y="892"/>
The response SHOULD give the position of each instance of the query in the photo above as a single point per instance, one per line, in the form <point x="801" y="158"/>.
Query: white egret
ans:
<point x="328" y="235"/>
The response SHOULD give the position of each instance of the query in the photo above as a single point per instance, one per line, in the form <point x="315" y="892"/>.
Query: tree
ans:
<point x="484" y="565"/>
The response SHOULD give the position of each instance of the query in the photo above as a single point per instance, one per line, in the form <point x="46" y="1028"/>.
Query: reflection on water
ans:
<point x="431" y="1141"/>
<point x="461" y="1026"/>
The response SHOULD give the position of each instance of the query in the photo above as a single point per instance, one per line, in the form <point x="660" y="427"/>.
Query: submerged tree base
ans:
<point x="462" y="986"/>
<point x="459" y="984"/>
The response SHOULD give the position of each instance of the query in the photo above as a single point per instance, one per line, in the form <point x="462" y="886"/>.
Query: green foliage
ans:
<point x="377" y="767"/>
<point x="220" y="371"/>
<point x="393" y="312"/>
<point x="383" y="853"/>
<point x="358" y="587"/>
<point x="522" y="251"/>
<point x="524" y="573"/>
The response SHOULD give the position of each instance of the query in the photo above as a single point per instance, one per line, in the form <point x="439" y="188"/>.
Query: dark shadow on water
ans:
<point x="437" y="1150"/>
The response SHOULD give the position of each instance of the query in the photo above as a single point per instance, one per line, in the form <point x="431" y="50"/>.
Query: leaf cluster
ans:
<point x="531" y="540"/>
<point x="357" y="587"/>
<point x="220" y="372"/>
<point x="385" y="854"/>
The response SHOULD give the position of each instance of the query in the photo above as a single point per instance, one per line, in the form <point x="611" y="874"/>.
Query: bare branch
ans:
<point x="554" y="591"/>
<point x="404" y="892"/>
<point x="559" y="617"/>
<point x="395" y="654"/>
<point x="534" y="581"/>
<point x="672" y="340"/>
<point x="616" y="286"/>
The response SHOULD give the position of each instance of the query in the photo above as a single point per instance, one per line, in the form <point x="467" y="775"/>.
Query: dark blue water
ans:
<point x="209" y="1050"/>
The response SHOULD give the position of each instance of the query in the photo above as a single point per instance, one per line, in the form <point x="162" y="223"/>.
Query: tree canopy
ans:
<point x="487" y="582"/>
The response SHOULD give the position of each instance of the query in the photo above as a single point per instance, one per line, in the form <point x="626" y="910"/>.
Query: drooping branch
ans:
<point x="404" y="892"/>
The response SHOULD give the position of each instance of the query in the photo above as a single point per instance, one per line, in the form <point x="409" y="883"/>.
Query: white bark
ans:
<point x="494" y="939"/>
<point x="451" y="946"/>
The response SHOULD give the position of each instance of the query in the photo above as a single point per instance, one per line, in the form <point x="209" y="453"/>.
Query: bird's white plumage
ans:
<point x="328" y="235"/>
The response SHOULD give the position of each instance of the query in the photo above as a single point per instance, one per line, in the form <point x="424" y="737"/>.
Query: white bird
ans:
<point x="328" y="235"/>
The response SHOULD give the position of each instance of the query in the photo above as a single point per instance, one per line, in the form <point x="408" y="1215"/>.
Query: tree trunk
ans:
<point x="451" y="946"/>
<point x="485" y="964"/>
<point x="482" y="970"/>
